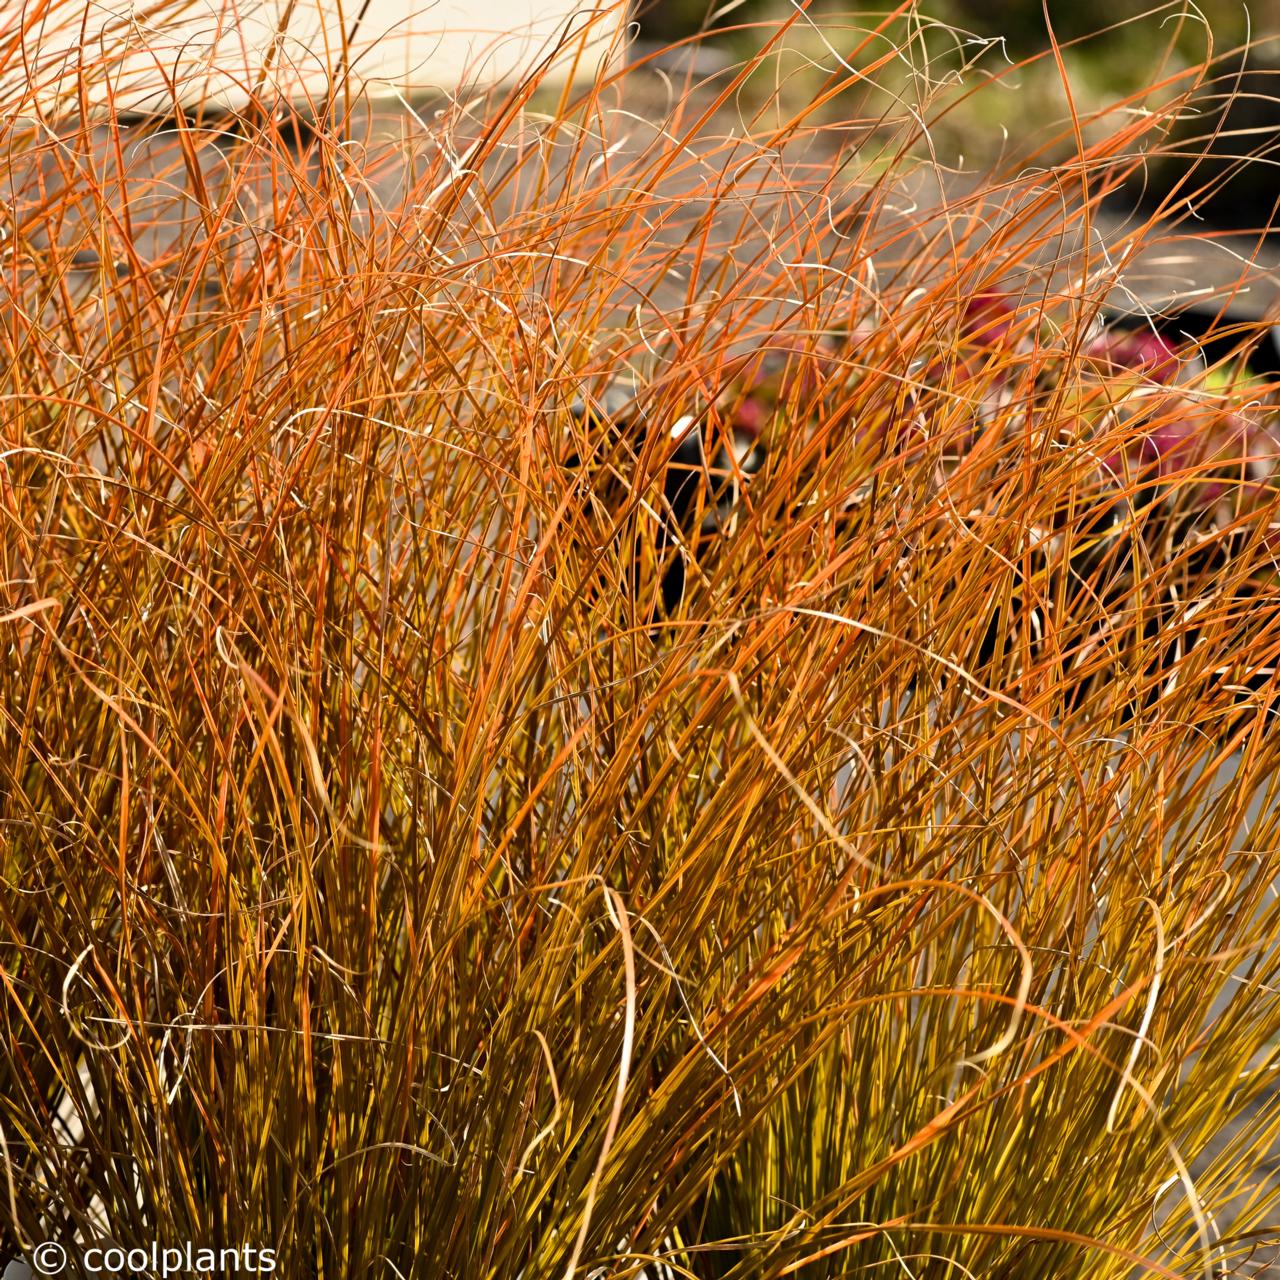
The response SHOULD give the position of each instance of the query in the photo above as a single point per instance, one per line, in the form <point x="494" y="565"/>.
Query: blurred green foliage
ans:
<point x="1112" y="49"/>
<point x="1020" y="22"/>
<point x="675" y="19"/>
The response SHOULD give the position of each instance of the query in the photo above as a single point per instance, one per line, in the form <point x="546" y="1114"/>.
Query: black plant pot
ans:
<point x="1221" y="164"/>
<point x="1218" y="337"/>
<point x="701" y="485"/>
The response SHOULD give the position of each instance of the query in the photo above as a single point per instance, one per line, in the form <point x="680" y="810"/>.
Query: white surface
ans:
<point x="225" y="51"/>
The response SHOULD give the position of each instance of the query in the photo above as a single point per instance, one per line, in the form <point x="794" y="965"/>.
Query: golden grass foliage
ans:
<point x="389" y="877"/>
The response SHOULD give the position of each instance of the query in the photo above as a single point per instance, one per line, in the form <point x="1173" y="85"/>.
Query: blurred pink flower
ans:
<point x="1137" y="351"/>
<point x="988" y="319"/>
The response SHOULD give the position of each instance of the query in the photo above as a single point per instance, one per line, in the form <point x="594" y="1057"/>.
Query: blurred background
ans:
<point x="1020" y="22"/>
<point x="1223" y="54"/>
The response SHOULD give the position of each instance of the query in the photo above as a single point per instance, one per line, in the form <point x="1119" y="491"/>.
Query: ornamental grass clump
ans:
<point x="614" y="682"/>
